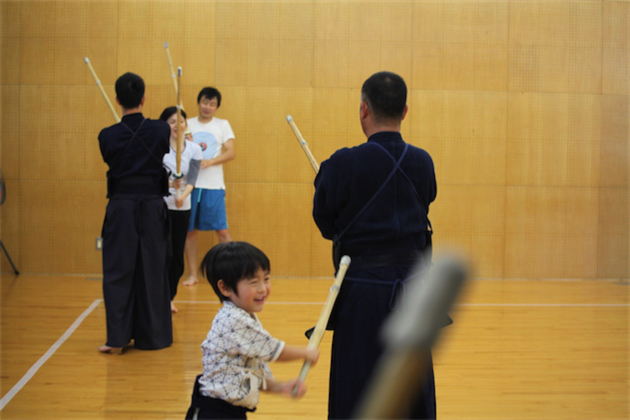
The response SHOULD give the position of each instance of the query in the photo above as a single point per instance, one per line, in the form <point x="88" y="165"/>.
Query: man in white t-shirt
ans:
<point x="216" y="139"/>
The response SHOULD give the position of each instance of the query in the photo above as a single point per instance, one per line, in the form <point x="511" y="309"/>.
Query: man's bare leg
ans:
<point x="190" y="250"/>
<point x="224" y="236"/>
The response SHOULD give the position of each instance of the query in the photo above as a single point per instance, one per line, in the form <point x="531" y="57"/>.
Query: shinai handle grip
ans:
<point x="320" y="327"/>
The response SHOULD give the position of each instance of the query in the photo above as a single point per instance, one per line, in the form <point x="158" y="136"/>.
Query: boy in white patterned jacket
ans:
<point x="237" y="350"/>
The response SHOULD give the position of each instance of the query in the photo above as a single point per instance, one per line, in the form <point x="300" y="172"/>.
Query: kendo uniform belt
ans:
<point x="134" y="184"/>
<point x="385" y="260"/>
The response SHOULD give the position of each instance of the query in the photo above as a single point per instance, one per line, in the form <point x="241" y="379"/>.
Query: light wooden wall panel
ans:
<point x="96" y="117"/>
<point x="231" y="60"/>
<point x="34" y="49"/>
<point x="614" y="225"/>
<point x="10" y="43"/>
<point x="460" y="45"/>
<point x="616" y="43"/>
<point x="556" y="46"/>
<point x="335" y="121"/>
<point x="102" y="20"/>
<point x="10" y="224"/>
<point x="55" y="235"/>
<point x="37" y="18"/>
<point x="615" y="147"/>
<point x="473" y="219"/>
<point x="523" y="106"/>
<point x="549" y="232"/>
<point x="284" y="228"/>
<point x="582" y="211"/>
<point x="266" y="148"/>
<point x="10" y="131"/>
<point x="554" y="139"/>
<point x="465" y="132"/>
<point x="54" y="146"/>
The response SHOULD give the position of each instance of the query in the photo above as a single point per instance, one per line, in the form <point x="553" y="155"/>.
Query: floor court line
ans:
<point x="548" y="305"/>
<point x="33" y="370"/>
<point x="212" y="302"/>
<point x="507" y="305"/>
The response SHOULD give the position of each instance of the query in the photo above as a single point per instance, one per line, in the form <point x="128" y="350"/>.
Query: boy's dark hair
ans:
<point x="386" y="95"/>
<point x="166" y="114"/>
<point x="129" y="90"/>
<point x="210" y="92"/>
<point x="232" y="262"/>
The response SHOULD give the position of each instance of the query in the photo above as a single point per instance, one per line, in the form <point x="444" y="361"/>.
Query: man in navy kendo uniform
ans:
<point x="135" y="230"/>
<point x="373" y="201"/>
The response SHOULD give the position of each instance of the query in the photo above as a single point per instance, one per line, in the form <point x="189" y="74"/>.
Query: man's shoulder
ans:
<point x="346" y="151"/>
<point x="338" y="157"/>
<point x="110" y="131"/>
<point x="418" y="151"/>
<point x="156" y="123"/>
<point x="345" y="156"/>
<point x="216" y="123"/>
<point x="222" y="124"/>
<point x="194" y="124"/>
<point x="157" y="127"/>
<point x="218" y="120"/>
<point x="351" y="152"/>
<point x="214" y="120"/>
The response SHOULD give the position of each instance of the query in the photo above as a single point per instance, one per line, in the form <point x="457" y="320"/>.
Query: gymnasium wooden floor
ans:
<point x="517" y="350"/>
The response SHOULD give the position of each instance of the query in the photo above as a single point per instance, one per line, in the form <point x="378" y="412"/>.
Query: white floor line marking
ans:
<point x="210" y="302"/>
<point x="33" y="370"/>
<point x="515" y="305"/>
<point x="550" y="305"/>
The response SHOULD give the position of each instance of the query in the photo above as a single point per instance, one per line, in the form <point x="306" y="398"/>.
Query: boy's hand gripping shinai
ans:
<point x="320" y="327"/>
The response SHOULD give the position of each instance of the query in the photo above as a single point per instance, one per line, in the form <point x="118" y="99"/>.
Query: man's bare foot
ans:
<point x="111" y="350"/>
<point x="190" y="281"/>
<point x="173" y="308"/>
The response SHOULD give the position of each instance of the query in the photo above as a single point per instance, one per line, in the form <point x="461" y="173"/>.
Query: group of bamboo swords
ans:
<point x="176" y="83"/>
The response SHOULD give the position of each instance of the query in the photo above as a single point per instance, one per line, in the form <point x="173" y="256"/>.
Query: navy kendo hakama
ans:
<point x="384" y="240"/>
<point x="365" y="301"/>
<point x="137" y="301"/>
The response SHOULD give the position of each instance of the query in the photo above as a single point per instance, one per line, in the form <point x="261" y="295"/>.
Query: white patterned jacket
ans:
<point x="235" y="359"/>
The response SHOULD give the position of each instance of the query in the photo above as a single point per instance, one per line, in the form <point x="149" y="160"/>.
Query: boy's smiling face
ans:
<point x="252" y="292"/>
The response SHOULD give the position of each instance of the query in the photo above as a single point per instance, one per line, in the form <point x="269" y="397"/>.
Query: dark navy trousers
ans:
<point x="135" y="284"/>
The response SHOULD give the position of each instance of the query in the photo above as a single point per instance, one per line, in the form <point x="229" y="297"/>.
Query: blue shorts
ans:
<point x="207" y="210"/>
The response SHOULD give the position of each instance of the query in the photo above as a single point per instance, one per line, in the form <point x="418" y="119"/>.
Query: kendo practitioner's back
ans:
<point x="135" y="230"/>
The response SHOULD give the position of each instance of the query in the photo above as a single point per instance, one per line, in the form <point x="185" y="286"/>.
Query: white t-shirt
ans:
<point x="191" y="152"/>
<point x="235" y="359"/>
<point x="210" y="137"/>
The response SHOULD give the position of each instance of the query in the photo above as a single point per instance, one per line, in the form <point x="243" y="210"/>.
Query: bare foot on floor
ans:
<point x="190" y="281"/>
<point x="111" y="350"/>
<point x="173" y="308"/>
